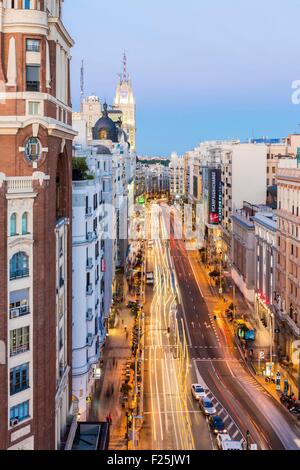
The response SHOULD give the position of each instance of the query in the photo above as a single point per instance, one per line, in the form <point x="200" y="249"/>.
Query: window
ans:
<point x="19" y="379"/>
<point x="19" y="341"/>
<point x="103" y="134"/>
<point x="25" y="223"/>
<point x="20" y="412"/>
<point x="32" y="45"/>
<point x="33" y="108"/>
<point x="13" y="225"/>
<point x="61" y="339"/>
<point x="19" y="266"/>
<point x="61" y="246"/>
<point x="32" y="77"/>
<point x="33" y="149"/>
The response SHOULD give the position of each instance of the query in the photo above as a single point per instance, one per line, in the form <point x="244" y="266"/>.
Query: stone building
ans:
<point x="36" y="224"/>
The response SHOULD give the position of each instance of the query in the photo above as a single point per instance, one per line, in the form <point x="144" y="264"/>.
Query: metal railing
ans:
<point x="19" y="274"/>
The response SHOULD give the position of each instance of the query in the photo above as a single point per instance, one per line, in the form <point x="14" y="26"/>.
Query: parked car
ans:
<point x="198" y="391"/>
<point x="207" y="407"/>
<point x="216" y="425"/>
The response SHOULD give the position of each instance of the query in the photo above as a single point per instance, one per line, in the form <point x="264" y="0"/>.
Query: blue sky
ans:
<point x="201" y="69"/>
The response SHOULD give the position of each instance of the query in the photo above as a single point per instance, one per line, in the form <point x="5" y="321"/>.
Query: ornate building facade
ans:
<point x="125" y="102"/>
<point x="35" y="214"/>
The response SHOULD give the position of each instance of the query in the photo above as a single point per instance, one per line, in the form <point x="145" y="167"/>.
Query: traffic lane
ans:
<point x="244" y="413"/>
<point x="201" y="329"/>
<point x="271" y="407"/>
<point x="209" y="341"/>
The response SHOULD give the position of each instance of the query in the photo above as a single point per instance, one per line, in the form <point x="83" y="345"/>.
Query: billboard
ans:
<point x="215" y="196"/>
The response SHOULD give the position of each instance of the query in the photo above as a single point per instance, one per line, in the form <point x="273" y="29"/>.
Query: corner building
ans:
<point x="35" y="224"/>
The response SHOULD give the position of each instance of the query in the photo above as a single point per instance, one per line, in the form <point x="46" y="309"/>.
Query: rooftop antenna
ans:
<point x="82" y="81"/>
<point x="124" y="67"/>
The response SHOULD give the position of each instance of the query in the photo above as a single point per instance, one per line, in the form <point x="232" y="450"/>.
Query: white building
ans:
<point x="100" y="235"/>
<point x="88" y="287"/>
<point x="177" y="176"/>
<point x="244" y="175"/>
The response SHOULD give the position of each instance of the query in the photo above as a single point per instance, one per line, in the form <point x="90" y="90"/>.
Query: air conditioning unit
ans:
<point x="14" y="422"/>
<point x="15" y="313"/>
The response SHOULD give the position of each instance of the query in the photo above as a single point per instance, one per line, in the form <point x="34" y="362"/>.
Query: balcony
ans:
<point x="88" y="212"/>
<point x="89" y="263"/>
<point x="90" y="236"/>
<point x="89" y="289"/>
<point x="32" y="86"/>
<point x="19" y="312"/>
<point x="15" y="351"/>
<point x="283" y="316"/>
<point x="90" y="340"/>
<point x="19" y="274"/>
<point x="89" y="314"/>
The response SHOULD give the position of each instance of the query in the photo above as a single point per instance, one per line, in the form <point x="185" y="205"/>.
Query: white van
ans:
<point x="224" y="442"/>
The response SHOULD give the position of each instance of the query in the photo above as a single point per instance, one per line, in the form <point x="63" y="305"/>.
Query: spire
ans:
<point x="124" y="78"/>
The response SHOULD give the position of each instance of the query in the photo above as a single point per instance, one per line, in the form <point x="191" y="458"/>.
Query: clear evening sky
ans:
<point x="201" y="69"/>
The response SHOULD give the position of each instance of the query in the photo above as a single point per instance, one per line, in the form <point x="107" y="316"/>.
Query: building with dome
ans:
<point x="100" y="237"/>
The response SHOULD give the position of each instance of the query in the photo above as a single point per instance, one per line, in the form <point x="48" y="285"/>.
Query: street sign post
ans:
<point x="285" y="387"/>
<point x="278" y="381"/>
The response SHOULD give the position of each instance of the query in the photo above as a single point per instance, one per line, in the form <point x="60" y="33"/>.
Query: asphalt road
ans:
<point x="243" y="402"/>
<point x="172" y="420"/>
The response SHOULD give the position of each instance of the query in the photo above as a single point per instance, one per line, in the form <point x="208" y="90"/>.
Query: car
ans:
<point x="225" y="442"/>
<point x="150" y="278"/>
<point x="198" y="391"/>
<point x="207" y="407"/>
<point x="216" y="425"/>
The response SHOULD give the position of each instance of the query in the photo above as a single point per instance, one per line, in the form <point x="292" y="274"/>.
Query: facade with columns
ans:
<point x="35" y="224"/>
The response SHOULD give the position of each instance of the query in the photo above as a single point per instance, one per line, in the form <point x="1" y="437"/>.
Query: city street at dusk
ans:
<point x="149" y="233"/>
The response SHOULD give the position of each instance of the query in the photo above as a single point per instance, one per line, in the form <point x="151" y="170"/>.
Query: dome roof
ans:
<point x="105" y="128"/>
<point x="102" y="150"/>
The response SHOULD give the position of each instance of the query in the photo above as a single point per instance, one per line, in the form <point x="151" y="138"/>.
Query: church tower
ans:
<point x="35" y="224"/>
<point x="125" y="102"/>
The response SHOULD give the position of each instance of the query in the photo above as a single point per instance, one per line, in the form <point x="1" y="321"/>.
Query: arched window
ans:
<point x="103" y="134"/>
<point x="25" y="224"/>
<point x="13" y="225"/>
<point x="19" y="266"/>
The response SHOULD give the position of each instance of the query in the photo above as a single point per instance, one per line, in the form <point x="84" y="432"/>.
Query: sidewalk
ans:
<point x="117" y="347"/>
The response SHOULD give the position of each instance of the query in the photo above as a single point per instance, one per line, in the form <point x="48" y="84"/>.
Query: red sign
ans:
<point x="103" y="266"/>
<point x="214" y="218"/>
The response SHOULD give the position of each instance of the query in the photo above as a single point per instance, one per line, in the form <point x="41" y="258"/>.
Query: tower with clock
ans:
<point x="35" y="224"/>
